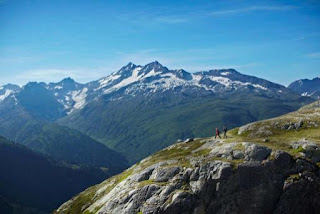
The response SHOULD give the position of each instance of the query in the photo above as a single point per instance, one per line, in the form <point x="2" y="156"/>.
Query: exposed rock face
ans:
<point x="301" y="195"/>
<point x="225" y="178"/>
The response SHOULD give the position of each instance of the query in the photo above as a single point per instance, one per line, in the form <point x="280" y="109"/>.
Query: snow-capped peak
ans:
<point x="128" y="68"/>
<point x="135" y="80"/>
<point x="155" y="77"/>
<point x="153" y="66"/>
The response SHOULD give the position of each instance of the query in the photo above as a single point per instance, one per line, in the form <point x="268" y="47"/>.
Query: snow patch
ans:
<point x="306" y="94"/>
<point x="225" y="73"/>
<point x="58" y="87"/>
<point x="105" y="81"/>
<point x="6" y="93"/>
<point x="64" y="104"/>
<point x="222" y="80"/>
<point x="150" y="74"/>
<point x="133" y="78"/>
<point x="79" y="98"/>
<point x="15" y="100"/>
<point x="249" y="83"/>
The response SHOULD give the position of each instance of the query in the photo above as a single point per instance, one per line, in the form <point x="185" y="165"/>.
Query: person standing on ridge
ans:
<point x="225" y="129"/>
<point x="217" y="133"/>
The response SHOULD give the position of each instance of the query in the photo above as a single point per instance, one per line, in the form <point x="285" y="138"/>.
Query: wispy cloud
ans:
<point x="314" y="55"/>
<point x="251" y="9"/>
<point x="54" y="75"/>
<point x="171" y="19"/>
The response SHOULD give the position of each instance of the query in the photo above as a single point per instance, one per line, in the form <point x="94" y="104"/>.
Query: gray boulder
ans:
<point x="256" y="152"/>
<point x="164" y="174"/>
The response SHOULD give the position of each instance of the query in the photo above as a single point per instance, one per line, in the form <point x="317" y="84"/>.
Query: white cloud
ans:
<point x="251" y="9"/>
<point x="169" y="16"/>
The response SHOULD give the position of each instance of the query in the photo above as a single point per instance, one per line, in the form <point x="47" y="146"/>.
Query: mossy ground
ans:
<point x="179" y="152"/>
<point x="280" y="139"/>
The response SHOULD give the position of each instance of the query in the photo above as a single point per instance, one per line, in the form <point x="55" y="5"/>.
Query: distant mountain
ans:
<point x="32" y="183"/>
<point x="40" y="102"/>
<point x="21" y="122"/>
<point x="69" y="93"/>
<point x="7" y="90"/>
<point x="47" y="101"/>
<point x="136" y="80"/>
<point x="306" y="87"/>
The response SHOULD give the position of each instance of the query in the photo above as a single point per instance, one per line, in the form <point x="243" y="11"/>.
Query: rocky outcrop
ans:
<point x="210" y="177"/>
<point x="261" y="168"/>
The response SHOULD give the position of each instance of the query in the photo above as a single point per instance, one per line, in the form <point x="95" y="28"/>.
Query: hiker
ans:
<point x="225" y="129"/>
<point x="217" y="133"/>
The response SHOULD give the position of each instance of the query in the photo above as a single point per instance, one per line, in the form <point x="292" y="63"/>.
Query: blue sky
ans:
<point x="42" y="40"/>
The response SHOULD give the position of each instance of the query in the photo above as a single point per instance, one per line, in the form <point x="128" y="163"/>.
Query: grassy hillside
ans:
<point x="279" y="131"/>
<point x="188" y="156"/>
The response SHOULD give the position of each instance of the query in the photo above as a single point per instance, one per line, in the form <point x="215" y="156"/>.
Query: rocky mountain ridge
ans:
<point x="253" y="171"/>
<point x="137" y="80"/>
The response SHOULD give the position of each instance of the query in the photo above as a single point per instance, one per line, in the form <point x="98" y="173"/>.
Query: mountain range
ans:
<point x="67" y="95"/>
<point x="136" y="111"/>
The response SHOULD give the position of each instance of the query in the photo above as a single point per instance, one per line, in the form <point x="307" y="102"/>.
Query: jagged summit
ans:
<point x="155" y="77"/>
<point x="33" y="86"/>
<point x="129" y="67"/>
<point x="65" y="84"/>
<point x="67" y="80"/>
<point x="153" y="67"/>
